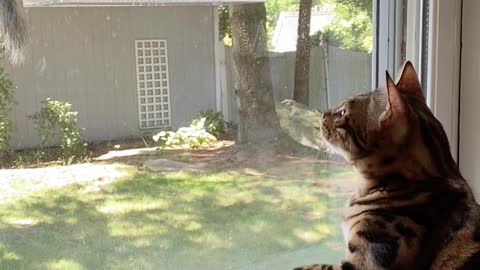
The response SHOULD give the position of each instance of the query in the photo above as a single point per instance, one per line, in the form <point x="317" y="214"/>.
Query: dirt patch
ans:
<point x="166" y="165"/>
<point x="139" y="156"/>
<point x="222" y="156"/>
<point x="50" y="156"/>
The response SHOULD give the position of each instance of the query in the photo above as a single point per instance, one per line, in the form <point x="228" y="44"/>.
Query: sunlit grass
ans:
<point x="64" y="265"/>
<point x="171" y="221"/>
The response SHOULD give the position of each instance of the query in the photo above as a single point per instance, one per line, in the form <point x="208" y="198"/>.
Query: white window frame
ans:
<point x="414" y="46"/>
<point x="385" y="54"/>
<point x="444" y="65"/>
<point x="442" y="49"/>
<point x="388" y="40"/>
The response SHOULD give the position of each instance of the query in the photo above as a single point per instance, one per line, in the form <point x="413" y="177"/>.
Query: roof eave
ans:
<point x="145" y="3"/>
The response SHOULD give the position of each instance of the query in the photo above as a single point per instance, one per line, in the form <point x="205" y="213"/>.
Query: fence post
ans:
<point x="225" y="106"/>
<point x="325" y="75"/>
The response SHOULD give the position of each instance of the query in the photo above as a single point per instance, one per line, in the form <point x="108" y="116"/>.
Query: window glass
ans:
<point x="163" y="135"/>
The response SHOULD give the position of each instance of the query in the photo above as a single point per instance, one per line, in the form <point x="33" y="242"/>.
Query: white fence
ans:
<point x="334" y="75"/>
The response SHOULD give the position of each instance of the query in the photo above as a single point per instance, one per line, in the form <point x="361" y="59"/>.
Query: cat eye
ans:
<point x="342" y="112"/>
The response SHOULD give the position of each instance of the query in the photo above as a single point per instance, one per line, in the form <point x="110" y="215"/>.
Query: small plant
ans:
<point x="194" y="136"/>
<point x="26" y="158"/>
<point x="6" y="102"/>
<point x="56" y="121"/>
<point x="231" y="127"/>
<point x="214" y="123"/>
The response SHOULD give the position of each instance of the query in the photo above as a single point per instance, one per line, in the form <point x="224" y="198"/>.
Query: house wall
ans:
<point x="86" y="56"/>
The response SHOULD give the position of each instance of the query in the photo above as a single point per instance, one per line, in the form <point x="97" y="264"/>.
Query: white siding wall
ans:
<point x="86" y="56"/>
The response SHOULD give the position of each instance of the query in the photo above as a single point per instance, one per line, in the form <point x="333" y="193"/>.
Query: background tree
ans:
<point x="301" y="88"/>
<point x="13" y="34"/>
<point x="224" y="22"/>
<point x="7" y="101"/>
<point x="258" y="121"/>
<point x="273" y="9"/>
<point x="352" y="25"/>
<point x="13" y="31"/>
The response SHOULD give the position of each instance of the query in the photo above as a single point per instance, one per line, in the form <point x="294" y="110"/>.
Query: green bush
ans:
<point x="26" y="158"/>
<point x="214" y="123"/>
<point x="194" y="136"/>
<point x="55" y="121"/>
<point x="6" y="102"/>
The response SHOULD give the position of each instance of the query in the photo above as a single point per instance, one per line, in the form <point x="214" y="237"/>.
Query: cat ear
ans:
<point x="409" y="83"/>
<point x="396" y="109"/>
<point x="395" y="118"/>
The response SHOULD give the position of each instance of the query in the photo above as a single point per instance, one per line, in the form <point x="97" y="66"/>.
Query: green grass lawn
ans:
<point x="176" y="221"/>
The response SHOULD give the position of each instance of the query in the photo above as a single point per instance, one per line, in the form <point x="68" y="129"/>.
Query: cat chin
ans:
<point x="331" y="148"/>
<point x="336" y="150"/>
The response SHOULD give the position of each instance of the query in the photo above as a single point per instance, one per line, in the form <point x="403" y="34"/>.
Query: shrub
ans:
<point x="6" y="102"/>
<point x="214" y="123"/>
<point x="56" y="121"/>
<point x="194" y="136"/>
<point x="26" y="158"/>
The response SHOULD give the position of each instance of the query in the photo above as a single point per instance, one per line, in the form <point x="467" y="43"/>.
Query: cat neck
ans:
<point x="383" y="169"/>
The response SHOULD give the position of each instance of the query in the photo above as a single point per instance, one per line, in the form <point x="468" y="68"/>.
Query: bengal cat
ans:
<point x="412" y="209"/>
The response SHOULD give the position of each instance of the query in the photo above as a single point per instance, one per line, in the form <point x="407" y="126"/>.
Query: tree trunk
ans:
<point x="260" y="135"/>
<point x="258" y="121"/>
<point x="301" y="88"/>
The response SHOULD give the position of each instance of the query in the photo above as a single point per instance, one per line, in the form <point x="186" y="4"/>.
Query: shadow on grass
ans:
<point x="170" y="221"/>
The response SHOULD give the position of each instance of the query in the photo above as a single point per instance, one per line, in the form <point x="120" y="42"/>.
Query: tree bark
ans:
<point x="260" y="135"/>
<point x="301" y="88"/>
<point x="258" y="121"/>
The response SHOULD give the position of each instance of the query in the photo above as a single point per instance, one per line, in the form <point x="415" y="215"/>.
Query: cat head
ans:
<point x="391" y="124"/>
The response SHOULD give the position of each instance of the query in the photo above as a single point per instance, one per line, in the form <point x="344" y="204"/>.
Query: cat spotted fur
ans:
<point x="412" y="208"/>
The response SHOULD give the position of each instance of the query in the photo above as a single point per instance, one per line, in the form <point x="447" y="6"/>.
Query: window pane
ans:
<point x="199" y="145"/>
<point x="316" y="186"/>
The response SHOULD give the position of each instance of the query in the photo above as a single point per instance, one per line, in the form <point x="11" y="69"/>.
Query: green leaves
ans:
<point x="55" y="121"/>
<point x="224" y="21"/>
<point x="214" y="123"/>
<point x="6" y="102"/>
<point x="352" y="25"/>
<point x="193" y="136"/>
<point x="274" y="8"/>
